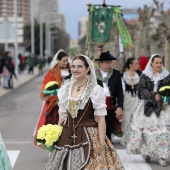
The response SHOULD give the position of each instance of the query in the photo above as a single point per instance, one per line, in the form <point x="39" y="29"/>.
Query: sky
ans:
<point x="75" y="9"/>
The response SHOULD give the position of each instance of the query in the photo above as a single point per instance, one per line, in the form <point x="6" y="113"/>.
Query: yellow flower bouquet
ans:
<point x="165" y="95"/>
<point x="47" y="135"/>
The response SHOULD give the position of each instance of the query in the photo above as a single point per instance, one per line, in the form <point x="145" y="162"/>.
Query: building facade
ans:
<point x="23" y="9"/>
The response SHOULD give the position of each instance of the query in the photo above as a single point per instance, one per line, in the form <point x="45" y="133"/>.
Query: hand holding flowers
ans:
<point x="51" y="88"/>
<point x="47" y="135"/>
<point x="165" y="95"/>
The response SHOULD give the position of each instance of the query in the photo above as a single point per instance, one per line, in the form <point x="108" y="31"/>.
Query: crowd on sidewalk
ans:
<point x="25" y="64"/>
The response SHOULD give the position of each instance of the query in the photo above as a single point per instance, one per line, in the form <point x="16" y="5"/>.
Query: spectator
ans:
<point x="31" y="63"/>
<point x="49" y="60"/>
<point x="40" y="65"/>
<point x="1" y="66"/>
<point x="7" y="69"/>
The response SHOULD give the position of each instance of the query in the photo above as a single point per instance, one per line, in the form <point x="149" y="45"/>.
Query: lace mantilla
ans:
<point x="149" y="71"/>
<point x="79" y="104"/>
<point x="131" y="80"/>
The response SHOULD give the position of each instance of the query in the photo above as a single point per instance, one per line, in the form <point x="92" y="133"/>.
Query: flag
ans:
<point x="101" y="22"/>
<point x="122" y="29"/>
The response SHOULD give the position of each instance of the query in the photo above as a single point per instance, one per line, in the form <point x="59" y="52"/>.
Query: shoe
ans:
<point x="147" y="158"/>
<point x="162" y="162"/>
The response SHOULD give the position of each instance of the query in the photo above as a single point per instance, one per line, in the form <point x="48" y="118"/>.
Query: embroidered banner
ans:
<point x="101" y="22"/>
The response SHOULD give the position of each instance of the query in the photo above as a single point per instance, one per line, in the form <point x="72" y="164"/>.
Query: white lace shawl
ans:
<point x="129" y="80"/>
<point x="94" y="92"/>
<point x="149" y="71"/>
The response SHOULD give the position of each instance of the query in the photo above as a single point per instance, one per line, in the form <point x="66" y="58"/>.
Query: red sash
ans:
<point x="109" y="103"/>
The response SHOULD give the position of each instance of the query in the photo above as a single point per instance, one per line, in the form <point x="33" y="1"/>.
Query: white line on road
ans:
<point x="13" y="155"/>
<point x="132" y="162"/>
<point x="19" y="142"/>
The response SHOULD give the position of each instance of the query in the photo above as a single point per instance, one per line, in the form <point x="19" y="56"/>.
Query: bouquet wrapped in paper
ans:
<point x="51" y="88"/>
<point x="47" y="135"/>
<point x="165" y="95"/>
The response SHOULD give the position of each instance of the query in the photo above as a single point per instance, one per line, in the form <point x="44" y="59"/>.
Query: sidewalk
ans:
<point x="22" y="79"/>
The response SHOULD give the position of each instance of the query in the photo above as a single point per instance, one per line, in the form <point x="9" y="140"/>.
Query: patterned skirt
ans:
<point x="149" y="135"/>
<point x="98" y="160"/>
<point x="129" y="106"/>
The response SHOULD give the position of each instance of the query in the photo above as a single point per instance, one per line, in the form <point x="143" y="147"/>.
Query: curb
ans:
<point x="14" y="89"/>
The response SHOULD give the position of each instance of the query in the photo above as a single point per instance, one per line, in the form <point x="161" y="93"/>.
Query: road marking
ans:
<point x="13" y="155"/>
<point x="132" y="162"/>
<point x="19" y="142"/>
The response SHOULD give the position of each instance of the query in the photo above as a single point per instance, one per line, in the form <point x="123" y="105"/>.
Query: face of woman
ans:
<point x="135" y="65"/>
<point x="157" y="64"/>
<point x="63" y="63"/>
<point x="78" y="69"/>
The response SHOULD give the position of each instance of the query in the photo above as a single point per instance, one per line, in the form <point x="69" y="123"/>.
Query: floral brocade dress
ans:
<point x="149" y="133"/>
<point x="78" y="146"/>
<point x="130" y="98"/>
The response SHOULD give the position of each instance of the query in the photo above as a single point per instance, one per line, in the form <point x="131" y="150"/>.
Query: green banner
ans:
<point x="101" y="22"/>
<point x="122" y="29"/>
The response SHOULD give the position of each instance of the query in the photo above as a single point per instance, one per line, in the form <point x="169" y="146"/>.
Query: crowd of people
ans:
<point x="98" y="101"/>
<point x="7" y="67"/>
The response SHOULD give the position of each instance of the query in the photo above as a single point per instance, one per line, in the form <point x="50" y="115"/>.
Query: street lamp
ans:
<point x="48" y="33"/>
<point x="52" y="41"/>
<point x="41" y="31"/>
<point x="16" y="37"/>
<point x="32" y="27"/>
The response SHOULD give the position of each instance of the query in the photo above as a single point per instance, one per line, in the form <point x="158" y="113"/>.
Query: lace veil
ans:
<point x="92" y="76"/>
<point x="148" y="71"/>
<point x="55" y="58"/>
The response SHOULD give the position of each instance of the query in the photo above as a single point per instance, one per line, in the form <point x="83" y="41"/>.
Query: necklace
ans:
<point x="132" y="75"/>
<point x="79" y="86"/>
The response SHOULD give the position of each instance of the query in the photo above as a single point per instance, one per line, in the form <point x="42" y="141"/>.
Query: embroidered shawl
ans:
<point x="54" y="74"/>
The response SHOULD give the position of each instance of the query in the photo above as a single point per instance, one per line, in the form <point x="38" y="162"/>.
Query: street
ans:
<point x="19" y="112"/>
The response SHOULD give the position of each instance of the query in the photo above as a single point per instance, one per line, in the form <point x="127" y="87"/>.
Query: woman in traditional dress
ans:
<point x="131" y="76"/>
<point x="60" y="72"/>
<point x="83" y="143"/>
<point x="149" y="135"/>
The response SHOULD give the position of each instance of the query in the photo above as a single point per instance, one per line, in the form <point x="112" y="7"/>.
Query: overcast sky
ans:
<point x="75" y="9"/>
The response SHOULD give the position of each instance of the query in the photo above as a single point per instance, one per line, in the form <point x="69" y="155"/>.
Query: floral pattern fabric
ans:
<point x="130" y="99"/>
<point x="129" y="104"/>
<point x="102" y="159"/>
<point x="149" y="135"/>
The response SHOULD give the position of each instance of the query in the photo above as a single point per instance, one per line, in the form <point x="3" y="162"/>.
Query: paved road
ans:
<point x="19" y="112"/>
